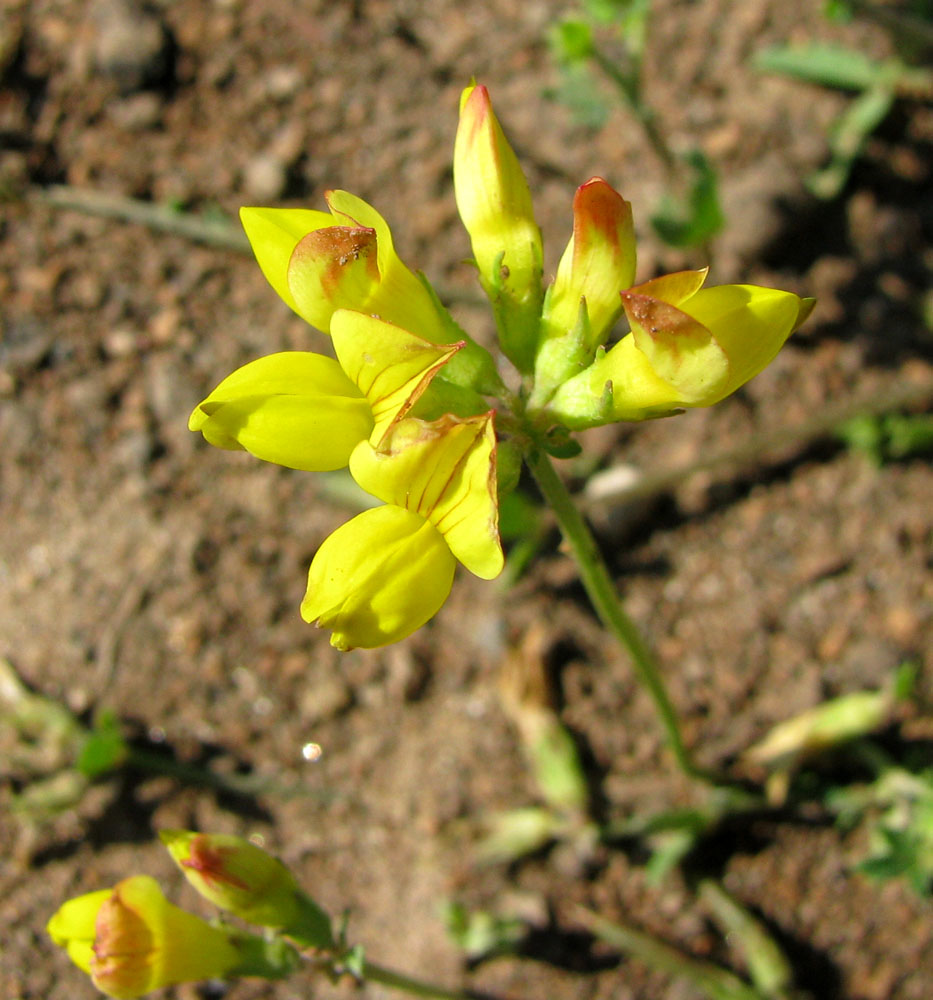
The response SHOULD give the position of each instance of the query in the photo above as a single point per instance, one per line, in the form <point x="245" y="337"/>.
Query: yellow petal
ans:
<point x="378" y="578"/>
<point x="296" y="409"/>
<point x="389" y="365"/>
<point x="446" y="471"/>
<point x="72" y="926"/>
<point x="597" y="265"/>
<point x="674" y="288"/>
<point x="583" y="303"/>
<point x="144" y="942"/>
<point x="680" y="349"/>
<point x="399" y="297"/>
<point x="750" y="323"/>
<point x="273" y="234"/>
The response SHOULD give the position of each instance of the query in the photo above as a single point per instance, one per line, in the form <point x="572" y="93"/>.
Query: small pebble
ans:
<point x="131" y="44"/>
<point x="265" y="178"/>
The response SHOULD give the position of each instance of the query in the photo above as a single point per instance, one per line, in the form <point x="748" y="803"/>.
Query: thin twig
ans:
<point x="220" y="234"/>
<point x="754" y="451"/>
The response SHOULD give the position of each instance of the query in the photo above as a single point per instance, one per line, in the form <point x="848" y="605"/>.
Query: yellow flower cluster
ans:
<point x="406" y="404"/>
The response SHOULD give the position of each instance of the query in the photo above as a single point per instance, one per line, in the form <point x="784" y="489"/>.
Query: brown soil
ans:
<point x="144" y="572"/>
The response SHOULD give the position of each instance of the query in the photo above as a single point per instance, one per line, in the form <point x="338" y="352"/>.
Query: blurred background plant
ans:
<point x="599" y="48"/>
<point x="877" y="83"/>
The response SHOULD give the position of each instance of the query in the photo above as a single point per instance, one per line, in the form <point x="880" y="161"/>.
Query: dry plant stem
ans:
<point x="602" y="592"/>
<point x="222" y="235"/>
<point x="760" y="449"/>
<point x="713" y="980"/>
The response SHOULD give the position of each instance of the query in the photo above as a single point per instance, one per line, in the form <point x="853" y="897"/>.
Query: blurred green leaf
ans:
<point x="838" y="11"/>
<point x="847" y="139"/>
<point x="829" y="65"/>
<point x="557" y="768"/>
<point x="518" y="832"/>
<point x="571" y="41"/>
<point x="104" y="748"/>
<point x="694" y="220"/>
<point x="479" y="933"/>
<point x="888" y="437"/>
<point x="579" y="92"/>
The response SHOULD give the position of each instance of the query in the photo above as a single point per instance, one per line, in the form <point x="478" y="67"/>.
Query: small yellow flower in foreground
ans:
<point x="495" y="205"/>
<point x="296" y="409"/>
<point x="131" y="940"/>
<point x="383" y="574"/>
<point x="689" y="346"/>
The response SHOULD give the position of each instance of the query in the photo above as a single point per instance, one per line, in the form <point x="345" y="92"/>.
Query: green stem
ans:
<point x="602" y="592"/>
<point x="416" y="987"/>
<point x="629" y="86"/>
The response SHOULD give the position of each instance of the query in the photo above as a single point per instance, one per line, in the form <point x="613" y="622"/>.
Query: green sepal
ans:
<point x="517" y="318"/>
<point x="442" y="397"/>
<point x="508" y="467"/>
<point x="559" y="444"/>
<point x="560" y="358"/>
<point x="312" y="927"/>
<point x="264" y="957"/>
<point x="471" y="368"/>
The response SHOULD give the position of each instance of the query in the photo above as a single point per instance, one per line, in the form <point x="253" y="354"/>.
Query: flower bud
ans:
<point x="583" y="303"/>
<point x="495" y="205"/>
<point x="236" y="875"/>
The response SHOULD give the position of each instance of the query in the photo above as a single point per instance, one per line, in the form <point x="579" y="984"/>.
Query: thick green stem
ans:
<point x="602" y="592"/>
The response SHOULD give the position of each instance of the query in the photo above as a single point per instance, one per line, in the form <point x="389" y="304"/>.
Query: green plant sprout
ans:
<point x="889" y="437"/>
<point x="483" y="936"/>
<point x="879" y="83"/>
<point x="56" y="758"/>
<point x="608" y="38"/>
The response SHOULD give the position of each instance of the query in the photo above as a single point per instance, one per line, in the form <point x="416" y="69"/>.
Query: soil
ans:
<point x="143" y="572"/>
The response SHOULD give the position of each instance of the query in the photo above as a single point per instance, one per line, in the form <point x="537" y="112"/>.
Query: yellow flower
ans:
<point x="688" y="346"/>
<point x="383" y="574"/>
<point x="495" y="205"/>
<point x="307" y="411"/>
<point x="131" y="940"/>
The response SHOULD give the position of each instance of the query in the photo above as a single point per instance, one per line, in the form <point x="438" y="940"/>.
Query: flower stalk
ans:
<point x="602" y="592"/>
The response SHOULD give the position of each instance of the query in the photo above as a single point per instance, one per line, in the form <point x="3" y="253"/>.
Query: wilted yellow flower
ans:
<point x="688" y="346"/>
<point x="319" y="263"/>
